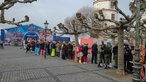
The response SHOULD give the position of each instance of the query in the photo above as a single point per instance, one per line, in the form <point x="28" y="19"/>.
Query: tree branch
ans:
<point x="120" y="11"/>
<point x="9" y="3"/>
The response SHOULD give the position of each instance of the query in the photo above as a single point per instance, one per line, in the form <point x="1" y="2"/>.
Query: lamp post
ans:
<point x="46" y="27"/>
<point x="137" y="67"/>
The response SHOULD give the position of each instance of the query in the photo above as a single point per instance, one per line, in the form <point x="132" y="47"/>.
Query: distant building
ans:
<point x="109" y="12"/>
<point x="108" y="9"/>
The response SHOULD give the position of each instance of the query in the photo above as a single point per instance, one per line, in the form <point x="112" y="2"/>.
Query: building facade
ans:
<point x="108" y="9"/>
<point x="109" y="12"/>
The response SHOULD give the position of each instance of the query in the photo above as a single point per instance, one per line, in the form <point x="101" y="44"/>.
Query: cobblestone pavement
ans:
<point x="17" y="66"/>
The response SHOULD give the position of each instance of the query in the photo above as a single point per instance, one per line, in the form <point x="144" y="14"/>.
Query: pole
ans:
<point x="136" y="63"/>
<point x="45" y="45"/>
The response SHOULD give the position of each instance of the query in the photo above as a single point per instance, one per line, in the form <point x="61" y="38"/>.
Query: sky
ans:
<point x="54" y="11"/>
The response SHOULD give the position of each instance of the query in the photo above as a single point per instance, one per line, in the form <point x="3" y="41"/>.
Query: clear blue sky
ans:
<point x="55" y="11"/>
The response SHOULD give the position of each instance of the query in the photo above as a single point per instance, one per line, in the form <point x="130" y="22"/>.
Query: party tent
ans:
<point x="17" y="33"/>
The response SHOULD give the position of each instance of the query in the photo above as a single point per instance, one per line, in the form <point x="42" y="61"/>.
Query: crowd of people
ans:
<point x="101" y="54"/>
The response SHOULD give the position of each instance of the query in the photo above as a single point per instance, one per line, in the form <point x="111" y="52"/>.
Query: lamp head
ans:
<point x="46" y="24"/>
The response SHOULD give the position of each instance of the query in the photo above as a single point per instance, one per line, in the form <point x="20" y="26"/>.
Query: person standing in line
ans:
<point x="42" y="47"/>
<point x="115" y="53"/>
<point x="73" y="52"/>
<point x="53" y="46"/>
<point x="63" y="50"/>
<point x="37" y="48"/>
<point x="80" y="53"/>
<point x="107" y="55"/>
<point x="127" y="52"/>
<point x="69" y="50"/>
<point x="85" y="53"/>
<point x="26" y="42"/>
<point x="27" y="47"/>
<point x="101" y="53"/>
<point x="130" y="68"/>
<point x="48" y="48"/>
<point x="94" y="53"/>
<point x="58" y="48"/>
<point x="33" y="45"/>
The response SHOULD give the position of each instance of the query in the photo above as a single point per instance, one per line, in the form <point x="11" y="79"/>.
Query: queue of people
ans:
<point x="100" y="54"/>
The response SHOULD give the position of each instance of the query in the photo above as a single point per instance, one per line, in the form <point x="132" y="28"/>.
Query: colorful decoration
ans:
<point x="16" y="34"/>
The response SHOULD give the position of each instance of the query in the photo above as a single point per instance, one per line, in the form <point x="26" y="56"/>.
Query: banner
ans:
<point x="2" y="35"/>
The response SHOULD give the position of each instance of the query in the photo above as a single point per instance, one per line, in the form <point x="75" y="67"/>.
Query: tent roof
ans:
<point x="23" y="26"/>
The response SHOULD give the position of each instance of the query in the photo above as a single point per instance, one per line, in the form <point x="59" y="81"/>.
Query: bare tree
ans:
<point x="121" y="25"/>
<point x="7" y="4"/>
<point x="71" y="27"/>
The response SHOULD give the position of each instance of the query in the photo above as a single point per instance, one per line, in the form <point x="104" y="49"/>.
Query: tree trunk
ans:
<point x="113" y="44"/>
<point x="144" y="42"/>
<point x="76" y="41"/>
<point x="120" y="70"/>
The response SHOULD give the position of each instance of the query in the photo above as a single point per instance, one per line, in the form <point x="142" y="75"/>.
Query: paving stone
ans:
<point x="17" y="66"/>
<point x="64" y="70"/>
<point x="89" y="67"/>
<point x="41" y="80"/>
<point x="83" y="77"/>
<point x="16" y="76"/>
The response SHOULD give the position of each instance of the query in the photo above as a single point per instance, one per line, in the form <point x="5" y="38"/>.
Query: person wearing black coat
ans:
<point x="115" y="52"/>
<point x="63" y="51"/>
<point x="69" y="50"/>
<point x="94" y="53"/>
<point x="127" y="53"/>
<point x="85" y="53"/>
<point x="27" y="47"/>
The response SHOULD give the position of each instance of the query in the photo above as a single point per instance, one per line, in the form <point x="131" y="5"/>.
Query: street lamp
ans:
<point x="46" y="27"/>
<point x="136" y="68"/>
<point x="45" y="33"/>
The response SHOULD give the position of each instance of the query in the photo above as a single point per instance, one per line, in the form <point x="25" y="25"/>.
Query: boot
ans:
<point x="99" y="65"/>
<point x="105" y="67"/>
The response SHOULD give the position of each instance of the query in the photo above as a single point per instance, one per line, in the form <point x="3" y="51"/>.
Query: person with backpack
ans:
<point x="107" y="55"/>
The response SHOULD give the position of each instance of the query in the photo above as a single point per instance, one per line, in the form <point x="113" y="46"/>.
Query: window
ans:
<point x="112" y="5"/>
<point x="113" y="16"/>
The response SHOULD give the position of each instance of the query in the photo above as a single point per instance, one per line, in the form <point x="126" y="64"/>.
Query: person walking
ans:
<point x="94" y="53"/>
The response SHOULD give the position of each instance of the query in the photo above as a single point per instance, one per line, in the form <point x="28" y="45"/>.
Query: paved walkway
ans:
<point x="17" y="66"/>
